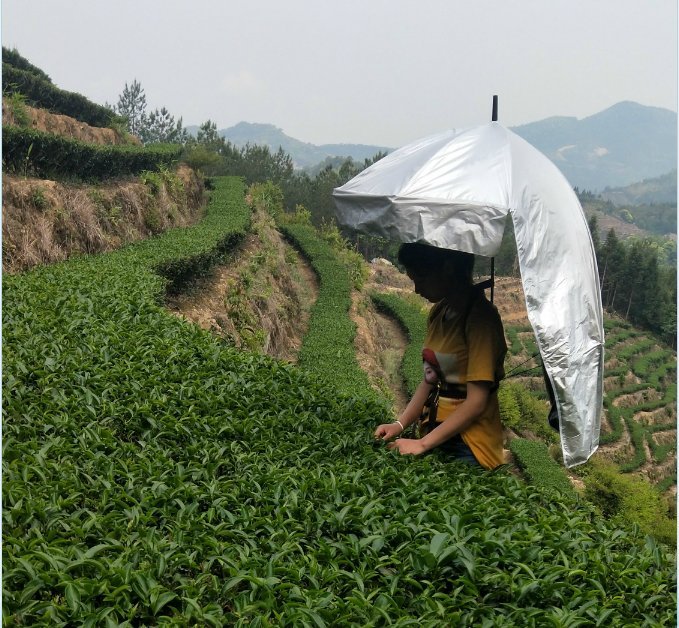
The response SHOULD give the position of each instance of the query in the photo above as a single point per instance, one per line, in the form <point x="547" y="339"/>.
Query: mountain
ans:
<point x="304" y="155"/>
<point x="661" y="189"/>
<point x="621" y="145"/>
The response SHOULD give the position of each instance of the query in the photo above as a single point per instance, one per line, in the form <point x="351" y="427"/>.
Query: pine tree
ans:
<point x="611" y="267"/>
<point x="132" y="105"/>
<point x="208" y="135"/>
<point x="160" y="127"/>
<point x="593" y="224"/>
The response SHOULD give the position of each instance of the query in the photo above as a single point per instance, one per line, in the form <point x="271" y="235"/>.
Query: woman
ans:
<point x="465" y="346"/>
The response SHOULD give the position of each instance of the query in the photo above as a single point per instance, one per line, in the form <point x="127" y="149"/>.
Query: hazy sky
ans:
<point x="381" y="72"/>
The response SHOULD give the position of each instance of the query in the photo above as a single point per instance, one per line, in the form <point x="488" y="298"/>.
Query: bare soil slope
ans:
<point x="261" y="300"/>
<point x="43" y="120"/>
<point x="47" y="221"/>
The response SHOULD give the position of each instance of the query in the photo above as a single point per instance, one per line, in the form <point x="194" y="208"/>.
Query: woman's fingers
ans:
<point x="384" y="431"/>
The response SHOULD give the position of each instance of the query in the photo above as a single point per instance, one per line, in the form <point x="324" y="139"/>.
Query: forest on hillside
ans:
<point x="656" y="217"/>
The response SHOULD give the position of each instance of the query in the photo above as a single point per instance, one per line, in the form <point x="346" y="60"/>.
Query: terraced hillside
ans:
<point x="153" y="474"/>
<point x="158" y="473"/>
<point x="380" y="348"/>
<point x="73" y="183"/>
<point x="640" y="409"/>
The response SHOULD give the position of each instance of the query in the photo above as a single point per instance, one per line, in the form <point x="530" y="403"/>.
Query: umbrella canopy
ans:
<point x="454" y="190"/>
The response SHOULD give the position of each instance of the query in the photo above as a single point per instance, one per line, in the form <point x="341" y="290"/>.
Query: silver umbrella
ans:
<point x="454" y="190"/>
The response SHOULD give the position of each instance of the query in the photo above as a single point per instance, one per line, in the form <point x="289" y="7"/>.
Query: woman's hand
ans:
<point x="408" y="446"/>
<point x="387" y="431"/>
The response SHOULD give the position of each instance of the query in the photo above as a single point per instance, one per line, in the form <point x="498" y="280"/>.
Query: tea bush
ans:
<point x="328" y="346"/>
<point x="13" y="58"/>
<point x="40" y="92"/>
<point x="534" y="459"/>
<point x="629" y="498"/>
<point x="153" y="475"/>
<point x="413" y="321"/>
<point x="654" y="371"/>
<point x="49" y="156"/>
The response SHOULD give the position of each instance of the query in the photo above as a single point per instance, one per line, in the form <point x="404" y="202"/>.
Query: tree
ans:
<point x="132" y="105"/>
<point x="160" y="127"/>
<point x="200" y="157"/>
<point x="157" y="127"/>
<point x="348" y="170"/>
<point x="633" y="280"/>
<point x="507" y="260"/>
<point x="374" y="159"/>
<point x="593" y="224"/>
<point x="258" y="164"/>
<point x="611" y="267"/>
<point x="208" y="136"/>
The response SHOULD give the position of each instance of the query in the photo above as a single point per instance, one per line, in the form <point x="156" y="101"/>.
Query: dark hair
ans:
<point x="424" y="259"/>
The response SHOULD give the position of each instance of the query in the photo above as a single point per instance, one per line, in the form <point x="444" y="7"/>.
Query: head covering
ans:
<point x="428" y="355"/>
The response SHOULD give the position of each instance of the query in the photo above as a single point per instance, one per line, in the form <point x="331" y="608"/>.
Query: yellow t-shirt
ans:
<point x="471" y="352"/>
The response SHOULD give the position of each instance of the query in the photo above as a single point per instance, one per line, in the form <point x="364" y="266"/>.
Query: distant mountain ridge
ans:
<point x="623" y="144"/>
<point x="619" y="146"/>
<point x="304" y="154"/>
<point x="661" y="189"/>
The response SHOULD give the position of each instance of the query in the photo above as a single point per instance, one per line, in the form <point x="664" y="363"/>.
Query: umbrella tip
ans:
<point x="494" y="118"/>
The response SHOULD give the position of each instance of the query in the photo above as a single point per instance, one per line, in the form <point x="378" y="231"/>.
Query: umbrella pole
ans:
<point x="492" y="259"/>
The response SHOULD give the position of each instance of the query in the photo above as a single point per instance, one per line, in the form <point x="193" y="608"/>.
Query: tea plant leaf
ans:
<point x="93" y="551"/>
<point x="438" y="542"/>
<point x="233" y="582"/>
<point x="159" y="599"/>
<point x="72" y="595"/>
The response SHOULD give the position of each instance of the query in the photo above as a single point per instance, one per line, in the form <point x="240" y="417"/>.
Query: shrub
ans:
<point x="523" y="412"/>
<point x="202" y="159"/>
<point x="14" y="59"/>
<point x="38" y="199"/>
<point x="352" y="259"/>
<point x="628" y="498"/>
<point x="268" y="196"/>
<point x="301" y="215"/>
<point x="17" y="105"/>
